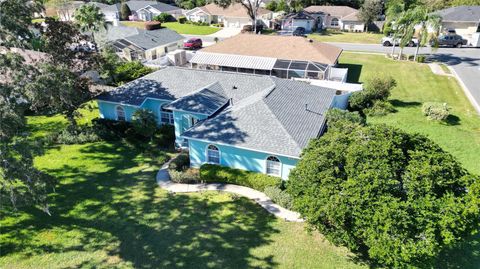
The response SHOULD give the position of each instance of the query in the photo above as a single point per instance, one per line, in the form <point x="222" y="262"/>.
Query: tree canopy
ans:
<point x="397" y="197"/>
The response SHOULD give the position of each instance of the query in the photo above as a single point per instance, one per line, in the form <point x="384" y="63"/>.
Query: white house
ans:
<point x="337" y="17"/>
<point x="234" y="16"/>
<point x="300" y="19"/>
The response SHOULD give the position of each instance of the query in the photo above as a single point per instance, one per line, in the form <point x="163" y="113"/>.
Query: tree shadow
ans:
<point x="400" y="103"/>
<point x="119" y="209"/>
<point x="354" y="71"/>
<point x="451" y="59"/>
<point x="452" y="120"/>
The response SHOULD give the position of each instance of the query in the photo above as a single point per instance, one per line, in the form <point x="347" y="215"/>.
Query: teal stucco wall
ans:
<point x="183" y="122"/>
<point x="238" y="158"/>
<point x="108" y="110"/>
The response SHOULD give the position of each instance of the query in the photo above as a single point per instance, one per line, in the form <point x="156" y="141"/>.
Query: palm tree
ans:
<point x="393" y="13"/>
<point x="90" y="19"/>
<point x="405" y="29"/>
<point x="426" y="21"/>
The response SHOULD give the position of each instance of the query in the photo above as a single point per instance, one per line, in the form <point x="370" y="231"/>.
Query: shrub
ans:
<point x="189" y="176"/>
<point x="436" y="111"/>
<point x="182" y="19"/>
<point x="377" y="88"/>
<point x="74" y="135"/>
<point x="128" y="71"/>
<point x="279" y="196"/>
<point x="144" y="122"/>
<point x="380" y="108"/>
<point x="180" y="163"/>
<point x="165" y="136"/>
<point x="216" y="173"/>
<point x="421" y="58"/>
<point x="163" y="17"/>
<point x="152" y="25"/>
<point x="396" y="197"/>
<point x="341" y="119"/>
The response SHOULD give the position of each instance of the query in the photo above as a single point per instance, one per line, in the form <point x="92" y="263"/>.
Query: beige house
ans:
<point x="234" y="16"/>
<point x="337" y="17"/>
<point x="148" y="45"/>
<point x="465" y="20"/>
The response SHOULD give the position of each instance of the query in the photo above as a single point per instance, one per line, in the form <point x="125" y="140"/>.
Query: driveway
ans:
<point x="465" y="62"/>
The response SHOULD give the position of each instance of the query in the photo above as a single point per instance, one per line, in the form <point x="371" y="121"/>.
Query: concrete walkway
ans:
<point x="437" y="70"/>
<point x="163" y="180"/>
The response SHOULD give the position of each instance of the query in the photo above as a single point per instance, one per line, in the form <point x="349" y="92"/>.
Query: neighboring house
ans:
<point x="465" y="20"/>
<point x="244" y="121"/>
<point x="280" y="56"/>
<point x="234" y="16"/>
<point x="148" y="45"/>
<point x="141" y="10"/>
<point x="300" y="19"/>
<point x="337" y="17"/>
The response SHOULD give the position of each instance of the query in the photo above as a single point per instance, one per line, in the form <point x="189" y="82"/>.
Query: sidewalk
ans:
<point x="163" y="180"/>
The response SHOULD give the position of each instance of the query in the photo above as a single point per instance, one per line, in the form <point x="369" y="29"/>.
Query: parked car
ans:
<point x="387" y="41"/>
<point x="453" y="40"/>
<point x="249" y="28"/>
<point x="299" y="31"/>
<point x="193" y="43"/>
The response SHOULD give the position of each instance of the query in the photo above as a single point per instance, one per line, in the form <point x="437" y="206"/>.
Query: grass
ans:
<point x="445" y="69"/>
<point x="460" y="135"/>
<point x="347" y="37"/>
<point x="108" y="212"/>
<point x="186" y="29"/>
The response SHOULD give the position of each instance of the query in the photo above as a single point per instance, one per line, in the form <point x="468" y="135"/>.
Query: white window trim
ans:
<point x="337" y="20"/>
<point x="124" y="112"/>
<point x="280" y="169"/>
<point x="219" y="155"/>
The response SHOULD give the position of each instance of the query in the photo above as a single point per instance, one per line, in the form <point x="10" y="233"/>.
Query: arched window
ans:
<point x="120" y="113"/>
<point x="273" y="166"/>
<point x="334" y="22"/>
<point x="213" y="154"/>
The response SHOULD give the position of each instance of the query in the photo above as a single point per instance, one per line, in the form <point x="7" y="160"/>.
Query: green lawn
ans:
<point x="417" y="84"/>
<point x="347" y="37"/>
<point x="187" y="29"/>
<point x="107" y="212"/>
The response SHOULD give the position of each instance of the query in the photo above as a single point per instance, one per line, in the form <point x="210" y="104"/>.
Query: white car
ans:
<point x="387" y="41"/>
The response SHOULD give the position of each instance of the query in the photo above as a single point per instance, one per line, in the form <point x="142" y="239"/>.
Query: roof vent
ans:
<point x="234" y="87"/>
<point x="310" y="40"/>
<point x="306" y="107"/>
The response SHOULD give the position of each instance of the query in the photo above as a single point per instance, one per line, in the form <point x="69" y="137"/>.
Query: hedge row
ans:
<point x="257" y="181"/>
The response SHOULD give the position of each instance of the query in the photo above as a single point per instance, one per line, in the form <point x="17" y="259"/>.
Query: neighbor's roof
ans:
<point x="460" y="14"/>
<point x="300" y="16"/>
<point x="154" y="38"/>
<point x="240" y="61"/>
<point x="235" y="10"/>
<point x="278" y="47"/>
<point x="343" y="12"/>
<point x="207" y="100"/>
<point x="268" y="114"/>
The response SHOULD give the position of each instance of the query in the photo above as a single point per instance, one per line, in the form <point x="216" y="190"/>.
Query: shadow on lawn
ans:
<point x="121" y="211"/>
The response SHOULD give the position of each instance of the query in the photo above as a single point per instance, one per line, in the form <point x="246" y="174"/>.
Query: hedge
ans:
<point x="220" y="174"/>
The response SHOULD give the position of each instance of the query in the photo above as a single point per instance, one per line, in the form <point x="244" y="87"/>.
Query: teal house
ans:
<point x="245" y="121"/>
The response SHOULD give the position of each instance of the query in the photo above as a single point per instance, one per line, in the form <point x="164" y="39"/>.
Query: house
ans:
<point x="465" y="20"/>
<point x="337" y="17"/>
<point x="141" y="10"/>
<point x="300" y="19"/>
<point x="280" y="56"/>
<point x="244" y="121"/>
<point x="147" y="44"/>
<point x="234" y="16"/>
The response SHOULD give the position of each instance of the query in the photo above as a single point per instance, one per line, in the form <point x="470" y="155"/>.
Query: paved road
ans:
<point x="464" y="61"/>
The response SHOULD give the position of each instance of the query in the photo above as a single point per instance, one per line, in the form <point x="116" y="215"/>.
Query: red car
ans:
<point x="193" y="43"/>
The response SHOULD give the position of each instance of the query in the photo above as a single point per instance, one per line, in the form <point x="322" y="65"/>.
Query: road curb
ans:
<point x="465" y="89"/>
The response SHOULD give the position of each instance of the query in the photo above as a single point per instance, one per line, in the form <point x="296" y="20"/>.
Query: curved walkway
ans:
<point x="163" y="180"/>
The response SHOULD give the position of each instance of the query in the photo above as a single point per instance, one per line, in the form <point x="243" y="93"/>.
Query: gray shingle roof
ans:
<point x="268" y="113"/>
<point x="154" y="38"/>
<point x="207" y="100"/>
<point x="460" y="14"/>
<point x="136" y="5"/>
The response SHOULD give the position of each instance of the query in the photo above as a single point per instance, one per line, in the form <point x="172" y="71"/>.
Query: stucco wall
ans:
<point x="108" y="110"/>
<point x="238" y="158"/>
<point x="161" y="49"/>
<point x="180" y="125"/>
